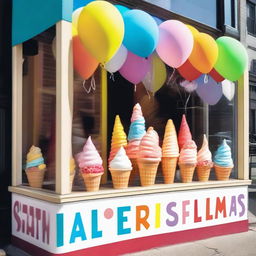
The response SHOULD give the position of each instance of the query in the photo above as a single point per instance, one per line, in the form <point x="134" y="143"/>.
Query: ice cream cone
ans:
<point x="120" y="178"/>
<point x="222" y="173"/>
<point x="35" y="177"/>
<point x="187" y="171"/>
<point x="71" y="180"/>
<point x="135" y="171"/>
<point x="147" y="169"/>
<point x="169" y="167"/>
<point x="203" y="172"/>
<point x="92" y="181"/>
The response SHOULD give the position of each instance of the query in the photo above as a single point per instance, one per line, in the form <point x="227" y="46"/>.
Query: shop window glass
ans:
<point x="231" y="13"/>
<point x="39" y="102"/>
<point x="251" y="21"/>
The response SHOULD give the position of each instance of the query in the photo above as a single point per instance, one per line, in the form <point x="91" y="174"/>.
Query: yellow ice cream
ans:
<point x="72" y="165"/>
<point x="35" y="158"/>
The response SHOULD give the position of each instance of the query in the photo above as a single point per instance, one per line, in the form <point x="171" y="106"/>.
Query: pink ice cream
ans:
<point x="149" y="145"/>
<point x="137" y="113"/>
<point x="204" y="155"/>
<point x="132" y="148"/>
<point x="184" y="132"/>
<point x="89" y="160"/>
<point x="188" y="154"/>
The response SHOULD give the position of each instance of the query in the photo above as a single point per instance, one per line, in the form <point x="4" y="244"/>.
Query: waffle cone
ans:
<point x="71" y="180"/>
<point x="222" y="173"/>
<point x="169" y="167"/>
<point x="203" y="172"/>
<point x="147" y="170"/>
<point x="35" y="177"/>
<point x="186" y="172"/>
<point x="120" y="178"/>
<point x="92" y="181"/>
<point x="135" y="172"/>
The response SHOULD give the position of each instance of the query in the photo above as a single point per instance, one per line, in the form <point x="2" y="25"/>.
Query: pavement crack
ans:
<point x="216" y="251"/>
<point x="251" y="229"/>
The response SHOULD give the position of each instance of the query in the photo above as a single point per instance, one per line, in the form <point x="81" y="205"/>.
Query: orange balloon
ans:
<point x="84" y="63"/>
<point x="204" y="54"/>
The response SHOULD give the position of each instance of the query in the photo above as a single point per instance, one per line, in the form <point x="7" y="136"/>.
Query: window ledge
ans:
<point x="110" y="192"/>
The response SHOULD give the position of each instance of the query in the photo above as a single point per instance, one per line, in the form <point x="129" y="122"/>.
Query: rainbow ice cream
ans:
<point x="35" y="167"/>
<point x="184" y="132"/>
<point x="136" y="132"/>
<point x="223" y="162"/>
<point x="170" y="152"/>
<point x="118" y="138"/>
<point x="149" y="157"/>
<point x="204" y="161"/>
<point x="90" y="164"/>
<point x="120" y="168"/>
<point x="188" y="160"/>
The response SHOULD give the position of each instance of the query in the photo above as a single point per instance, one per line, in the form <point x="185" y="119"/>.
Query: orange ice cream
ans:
<point x="184" y="133"/>
<point x="132" y="148"/>
<point x="118" y="138"/>
<point x="149" y="145"/>
<point x="170" y="146"/>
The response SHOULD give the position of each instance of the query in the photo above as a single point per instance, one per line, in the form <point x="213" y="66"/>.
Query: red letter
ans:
<point x="38" y="218"/>
<point x="220" y="207"/>
<point x="196" y="217"/>
<point x="24" y="210"/>
<point x="142" y="220"/>
<point x="46" y="228"/>
<point x="31" y="228"/>
<point x="16" y="209"/>
<point x="208" y="215"/>
<point x="185" y="213"/>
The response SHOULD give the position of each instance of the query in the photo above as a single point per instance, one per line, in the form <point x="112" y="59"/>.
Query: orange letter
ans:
<point x="142" y="220"/>
<point x="220" y="207"/>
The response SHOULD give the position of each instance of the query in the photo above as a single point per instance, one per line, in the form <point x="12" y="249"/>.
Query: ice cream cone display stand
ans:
<point x="128" y="133"/>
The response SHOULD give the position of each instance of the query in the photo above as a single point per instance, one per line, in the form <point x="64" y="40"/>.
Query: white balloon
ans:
<point x="75" y="16"/>
<point x="228" y="89"/>
<point x="189" y="86"/>
<point x="117" y="61"/>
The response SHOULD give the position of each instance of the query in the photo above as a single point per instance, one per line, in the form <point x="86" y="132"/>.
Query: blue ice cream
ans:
<point x="223" y="156"/>
<point x="137" y="129"/>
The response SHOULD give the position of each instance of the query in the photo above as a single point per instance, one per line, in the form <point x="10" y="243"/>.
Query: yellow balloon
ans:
<point x="75" y="16"/>
<point x="193" y="30"/>
<point x="157" y="75"/>
<point x="101" y="29"/>
<point x="74" y="31"/>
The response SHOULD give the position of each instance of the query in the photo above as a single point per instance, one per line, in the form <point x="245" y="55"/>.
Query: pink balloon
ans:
<point x="135" y="68"/>
<point x="175" y="43"/>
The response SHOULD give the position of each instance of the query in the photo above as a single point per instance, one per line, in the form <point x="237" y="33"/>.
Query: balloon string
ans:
<point x="91" y="87"/>
<point x="186" y="104"/>
<point x="148" y="94"/>
<point x="112" y="76"/>
<point x="102" y="65"/>
<point x="93" y="83"/>
<point x="206" y="78"/>
<point x="135" y="87"/>
<point x="171" y="76"/>
<point x="180" y="94"/>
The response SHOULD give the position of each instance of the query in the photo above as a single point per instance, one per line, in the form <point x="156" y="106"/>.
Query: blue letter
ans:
<point x="95" y="232"/>
<point x="59" y="228"/>
<point x="77" y="232"/>
<point x="121" y="219"/>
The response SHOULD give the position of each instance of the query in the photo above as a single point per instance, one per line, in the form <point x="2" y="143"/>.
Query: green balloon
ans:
<point x="232" y="59"/>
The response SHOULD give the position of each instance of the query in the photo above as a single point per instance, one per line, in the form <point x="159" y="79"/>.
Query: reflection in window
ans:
<point x="251" y="21"/>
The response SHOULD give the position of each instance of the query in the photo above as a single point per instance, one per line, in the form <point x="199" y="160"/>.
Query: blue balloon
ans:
<point x="141" y="33"/>
<point x="122" y="9"/>
<point x="80" y="3"/>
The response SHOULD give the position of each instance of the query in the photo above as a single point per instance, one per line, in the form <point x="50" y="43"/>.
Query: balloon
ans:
<point x="157" y="74"/>
<point x="216" y="76"/>
<point x="75" y="16"/>
<point x="228" y="89"/>
<point x="84" y="63"/>
<point x="193" y="30"/>
<point x="117" y="61"/>
<point x="101" y="29"/>
<point x="188" y="71"/>
<point x="157" y="20"/>
<point x="209" y="92"/>
<point x="141" y="33"/>
<point x="74" y="31"/>
<point x="188" y="85"/>
<point x="232" y="60"/>
<point x="122" y="9"/>
<point x="175" y="43"/>
<point x="204" y="54"/>
<point x="135" y="68"/>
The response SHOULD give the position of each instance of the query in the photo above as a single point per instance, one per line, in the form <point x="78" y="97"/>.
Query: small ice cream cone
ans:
<point x="35" y="177"/>
<point x="120" y="178"/>
<point x="222" y="173"/>
<point x="148" y="170"/>
<point x="186" y="172"/>
<point x="71" y="180"/>
<point x="169" y="167"/>
<point x="92" y="181"/>
<point x="135" y="171"/>
<point x="203" y="172"/>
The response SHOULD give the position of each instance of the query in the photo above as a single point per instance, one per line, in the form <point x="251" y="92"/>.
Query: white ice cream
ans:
<point x="121" y="161"/>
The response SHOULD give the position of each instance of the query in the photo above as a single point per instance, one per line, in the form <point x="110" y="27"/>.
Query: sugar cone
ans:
<point x="92" y="181"/>
<point x="120" y="178"/>
<point x="135" y="172"/>
<point x="169" y="167"/>
<point x="187" y="171"/>
<point x="203" y="172"/>
<point x="147" y="170"/>
<point x="35" y="177"/>
<point x="71" y="180"/>
<point x="222" y="173"/>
